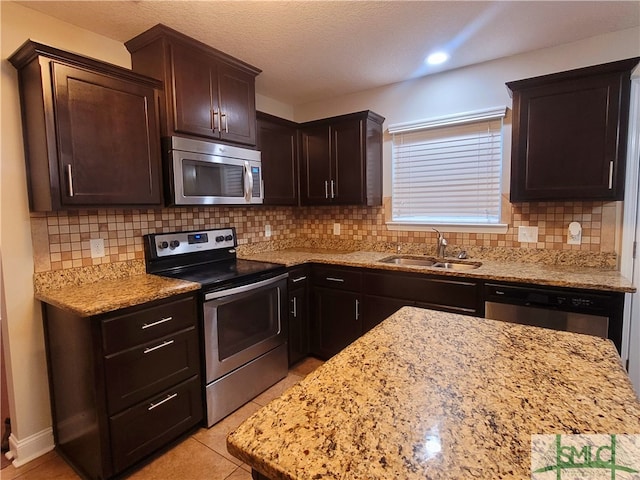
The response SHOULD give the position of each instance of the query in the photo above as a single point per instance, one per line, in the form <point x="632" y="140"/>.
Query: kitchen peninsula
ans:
<point x="437" y="395"/>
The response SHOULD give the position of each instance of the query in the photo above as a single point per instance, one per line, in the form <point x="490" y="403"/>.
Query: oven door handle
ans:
<point x="244" y="288"/>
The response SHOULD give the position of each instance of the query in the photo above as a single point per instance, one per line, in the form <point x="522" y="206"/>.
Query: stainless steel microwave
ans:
<point x="207" y="173"/>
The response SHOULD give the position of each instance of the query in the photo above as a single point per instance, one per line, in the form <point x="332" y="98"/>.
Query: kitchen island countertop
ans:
<point x="437" y="395"/>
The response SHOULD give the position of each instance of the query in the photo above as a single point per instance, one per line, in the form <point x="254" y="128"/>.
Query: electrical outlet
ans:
<point x="97" y="247"/>
<point x="336" y="229"/>
<point x="267" y="230"/>
<point x="528" y="234"/>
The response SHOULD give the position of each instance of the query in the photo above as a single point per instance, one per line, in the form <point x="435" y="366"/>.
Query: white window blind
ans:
<point x="448" y="171"/>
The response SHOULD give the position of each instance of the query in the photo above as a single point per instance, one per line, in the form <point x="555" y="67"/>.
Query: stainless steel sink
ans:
<point x="430" y="262"/>
<point x="409" y="260"/>
<point x="453" y="265"/>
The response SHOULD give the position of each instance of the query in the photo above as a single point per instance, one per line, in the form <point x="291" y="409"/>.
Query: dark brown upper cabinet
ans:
<point x="341" y="160"/>
<point x="208" y="94"/>
<point x="90" y="131"/>
<point x="278" y="145"/>
<point x="570" y="134"/>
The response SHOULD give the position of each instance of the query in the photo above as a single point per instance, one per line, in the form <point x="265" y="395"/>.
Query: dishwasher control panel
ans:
<point x="547" y="298"/>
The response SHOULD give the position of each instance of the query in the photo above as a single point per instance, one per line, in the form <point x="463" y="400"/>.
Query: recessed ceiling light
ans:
<point x="437" y="58"/>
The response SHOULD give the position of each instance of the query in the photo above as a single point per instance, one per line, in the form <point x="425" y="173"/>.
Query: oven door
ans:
<point x="243" y="323"/>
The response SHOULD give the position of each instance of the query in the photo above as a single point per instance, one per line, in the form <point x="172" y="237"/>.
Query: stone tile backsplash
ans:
<point x="61" y="239"/>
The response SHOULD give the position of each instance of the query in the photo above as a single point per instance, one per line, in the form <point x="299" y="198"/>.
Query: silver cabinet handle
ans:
<point x="153" y="324"/>
<point x="333" y="192"/>
<point x="216" y="115"/>
<point x="299" y="279"/>
<point x="70" y="179"/>
<point x="326" y="189"/>
<point x="357" y="309"/>
<point x="334" y="279"/>
<point x="164" y="400"/>
<point x="610" y="175"/>
<point x="166" y="343"/>
<point x="226" y="122"/>
<point x="294" y="312"/>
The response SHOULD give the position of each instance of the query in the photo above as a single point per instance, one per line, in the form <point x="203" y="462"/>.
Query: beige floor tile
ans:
<point x="48" y="467"/>
<point x="278" y="389"/>
<point x="216" y="437"/>
<point x="239" y="474"/>
<point x="190" y="460"/>
<point x="305" y="366"/>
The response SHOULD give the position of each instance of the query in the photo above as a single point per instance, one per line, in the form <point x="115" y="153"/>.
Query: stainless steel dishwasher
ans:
<point x="590" y="313"/>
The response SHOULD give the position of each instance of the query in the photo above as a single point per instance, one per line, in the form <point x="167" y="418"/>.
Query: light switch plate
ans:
<point x="336" y="229"/>
<point x="528" y="234"/>
<point x="97" y="247"/>
<point x="267" y="230"/>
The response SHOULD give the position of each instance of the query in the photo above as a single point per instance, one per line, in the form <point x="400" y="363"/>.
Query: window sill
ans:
<point x="498" y="228"/>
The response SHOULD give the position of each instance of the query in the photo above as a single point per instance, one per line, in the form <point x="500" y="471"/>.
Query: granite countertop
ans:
<point x="109" y="295"/>
<point x="430" y="394"/>
<point x="552" y="275"/>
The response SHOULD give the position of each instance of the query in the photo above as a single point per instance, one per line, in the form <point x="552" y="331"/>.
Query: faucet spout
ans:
<point x="441" y="244"/>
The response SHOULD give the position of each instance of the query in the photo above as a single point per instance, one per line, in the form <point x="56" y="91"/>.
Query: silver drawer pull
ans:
<point x="334" y="279"/>
<point x="162" y="345"/>
<point x="153" y="324"/>
<point x="299" y="279"/>
<point x="166" y="399"/>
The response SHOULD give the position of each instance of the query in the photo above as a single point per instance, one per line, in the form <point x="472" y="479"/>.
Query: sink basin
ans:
<point x="430" y="262"/>
<point x="453" y="265"/>
<point x="408" y="260"/>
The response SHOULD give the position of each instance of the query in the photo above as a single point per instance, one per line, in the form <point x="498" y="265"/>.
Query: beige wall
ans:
<point x="23" y="324"/>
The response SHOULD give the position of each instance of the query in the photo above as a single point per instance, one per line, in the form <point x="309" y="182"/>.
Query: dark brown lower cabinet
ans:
<point x="337" y="320"/>
<point x="299" y="325"/>
<point x="376" y="309"/>
<point x="348" y="302"/>
<point x="123" y="384"/>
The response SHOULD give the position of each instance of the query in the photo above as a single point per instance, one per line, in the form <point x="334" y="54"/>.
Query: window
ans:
<point x="447" y="171"/>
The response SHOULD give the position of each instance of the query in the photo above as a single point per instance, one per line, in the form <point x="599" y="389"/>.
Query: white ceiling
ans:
<point x="311" y="50"/>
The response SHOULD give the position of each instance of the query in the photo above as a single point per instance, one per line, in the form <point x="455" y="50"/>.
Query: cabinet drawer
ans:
<point x="298" y="276"/>
<point x="143" y="371"/>
<point x="128" y="330"/>
<point x="138" y="431"/>
<point x="337" y="278"/>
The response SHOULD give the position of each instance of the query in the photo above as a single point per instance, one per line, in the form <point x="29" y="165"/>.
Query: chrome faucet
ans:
<point x="441" y="245"/>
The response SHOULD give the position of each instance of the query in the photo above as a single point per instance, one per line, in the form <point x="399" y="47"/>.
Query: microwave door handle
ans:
<point x="248" y="183"/>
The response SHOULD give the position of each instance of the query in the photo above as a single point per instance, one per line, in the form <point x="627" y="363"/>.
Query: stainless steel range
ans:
<point x="244" y="322"/>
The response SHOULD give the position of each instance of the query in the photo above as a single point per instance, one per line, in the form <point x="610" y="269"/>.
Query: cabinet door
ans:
<point x="108" y="140"/>
<point x="195" y="92"/>
<point x="376" y="309"/>
<point x="316" y="166"/>
<point x="569" y="139"/>
<point x="348" y="169"/>
<point x="298" y="324"/>
<point x="337" y="320"/>
<point x="278" y="145"/>
<point x="237" y="97"/>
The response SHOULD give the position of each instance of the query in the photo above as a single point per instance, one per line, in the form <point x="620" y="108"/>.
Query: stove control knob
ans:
<point x="162" y="245"/>
<point x="228" y="238"/>
<point x="174" y="244"/>
<point x="219" y="238"/>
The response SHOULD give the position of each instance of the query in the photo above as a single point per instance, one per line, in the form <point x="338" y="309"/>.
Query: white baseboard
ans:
<point x="32" y="447"/>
